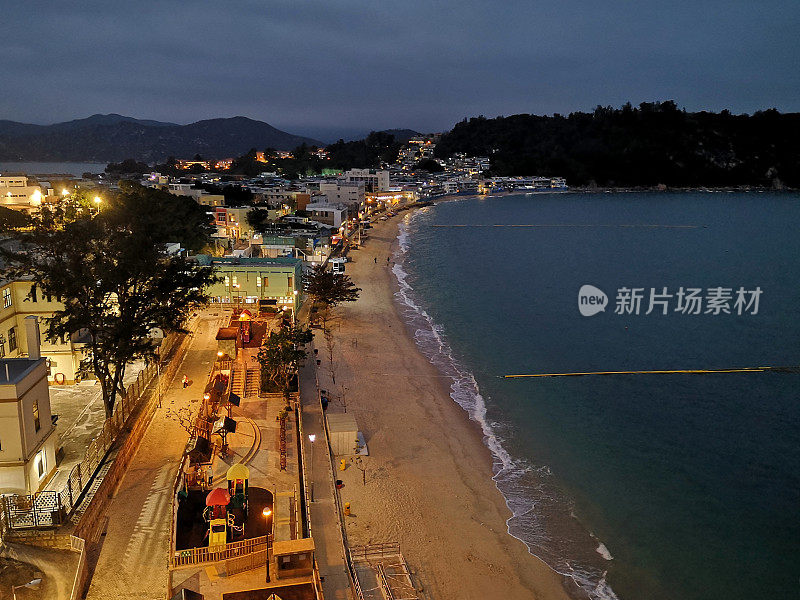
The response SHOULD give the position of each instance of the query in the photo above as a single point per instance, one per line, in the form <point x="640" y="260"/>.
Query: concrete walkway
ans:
<point x="324" y="523"/>
<point x="132" y="562"/>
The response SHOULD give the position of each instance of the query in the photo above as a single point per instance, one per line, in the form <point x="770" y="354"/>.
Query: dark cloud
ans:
<point x="308" y="64"/>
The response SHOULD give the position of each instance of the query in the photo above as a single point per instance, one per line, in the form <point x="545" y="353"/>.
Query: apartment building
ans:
<point x="374" y="180"/>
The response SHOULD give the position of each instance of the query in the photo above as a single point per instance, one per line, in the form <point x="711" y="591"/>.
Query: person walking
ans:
<point x="376" y="260"/>
<point x="185" y="381"/>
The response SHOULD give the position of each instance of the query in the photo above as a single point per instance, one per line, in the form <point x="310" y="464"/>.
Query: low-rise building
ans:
<point x="231" y="222"/>
<point x="27" y="443"/>
<point x="271" y="281"/>
<point x="329" y="214"/>
<point x="19" y="192"/>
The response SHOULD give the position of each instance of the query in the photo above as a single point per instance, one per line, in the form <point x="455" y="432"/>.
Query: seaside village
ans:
<point x="249" y="488"/>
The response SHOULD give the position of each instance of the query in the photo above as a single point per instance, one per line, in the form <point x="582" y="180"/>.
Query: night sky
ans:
<point x="325" y="68"/>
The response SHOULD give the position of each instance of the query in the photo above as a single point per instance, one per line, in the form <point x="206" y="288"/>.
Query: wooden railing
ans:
<point x="196" y="556"/>
<point x="246" y="563"/>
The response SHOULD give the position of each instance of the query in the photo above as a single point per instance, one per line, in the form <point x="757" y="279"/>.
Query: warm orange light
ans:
<point x="266" y="512"/>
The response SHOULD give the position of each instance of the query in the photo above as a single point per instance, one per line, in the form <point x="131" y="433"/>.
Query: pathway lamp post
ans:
<point x="32" y="584"/>
<point x="267" y="514"/>
<point x="312" y="438"/>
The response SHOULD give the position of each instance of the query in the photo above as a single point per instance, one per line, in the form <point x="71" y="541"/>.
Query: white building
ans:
<point x="16" y="190"/>
<point x="27" y="443"/>
<point x="329" y="214"/>
<point x="343" y="193"/>
<point x="373" y="180"/>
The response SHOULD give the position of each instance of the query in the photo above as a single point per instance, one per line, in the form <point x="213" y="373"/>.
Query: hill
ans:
<point x="109" y="138"/>
<point x="655" y="143"/>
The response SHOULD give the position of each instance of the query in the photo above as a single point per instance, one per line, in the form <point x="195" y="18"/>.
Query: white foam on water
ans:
<point x="603" y="551"/>
<point x="508" y="472"/>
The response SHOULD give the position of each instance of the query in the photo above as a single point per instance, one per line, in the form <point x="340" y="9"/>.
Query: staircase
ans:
<point x="253" y="382"/>
<point x="237" y="381"/>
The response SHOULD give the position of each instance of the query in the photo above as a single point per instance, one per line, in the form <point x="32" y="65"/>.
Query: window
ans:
<point x="12" y="339"/>
<point x="37" y="425"/>
<point x="7" y="297"/>
<point x="291" y="282"/>
<point x="40" y="464"/>
<point x="33" y="294"/>
<point x="2" y="345"/>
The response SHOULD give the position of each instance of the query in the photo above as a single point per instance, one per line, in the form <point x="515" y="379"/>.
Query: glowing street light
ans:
<point x="65" y="192"/>
<point x="267" y="513"/>
<point x="97" y="200"/>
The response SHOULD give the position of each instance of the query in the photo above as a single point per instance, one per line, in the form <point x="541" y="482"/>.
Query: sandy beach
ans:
<point x="428" y="475"/>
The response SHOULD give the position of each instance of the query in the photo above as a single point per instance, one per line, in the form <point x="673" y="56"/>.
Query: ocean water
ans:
<point x="670" y="486"/>
<point x="49" y="168"/>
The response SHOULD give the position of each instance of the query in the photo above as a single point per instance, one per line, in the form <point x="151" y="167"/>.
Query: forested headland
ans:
<point x="648" y="145"/>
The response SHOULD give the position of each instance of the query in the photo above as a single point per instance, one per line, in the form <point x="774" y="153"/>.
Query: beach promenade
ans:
<point x="428" y="475"/>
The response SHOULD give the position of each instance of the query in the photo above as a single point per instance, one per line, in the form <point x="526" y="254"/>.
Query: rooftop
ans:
<point x="13" y="370"/>
<point x="206" y="260"/>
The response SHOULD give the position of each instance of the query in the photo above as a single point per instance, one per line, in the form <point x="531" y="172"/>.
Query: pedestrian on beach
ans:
<point x="185" y="381"/>
<point x="387" y="260"/>
<point x="376" y="260"/>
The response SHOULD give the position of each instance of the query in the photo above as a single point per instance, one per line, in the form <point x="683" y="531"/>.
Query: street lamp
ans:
<point x="267" y="513"/>
<point x="32" y="584"/>
<point x="311" y="439"/>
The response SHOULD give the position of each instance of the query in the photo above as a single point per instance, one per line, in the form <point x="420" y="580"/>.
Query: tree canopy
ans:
<point x="281" y="354"/>
<point x="428" y="164"/>
<point x="330" y="288"/>
<point x="110" y="269"/>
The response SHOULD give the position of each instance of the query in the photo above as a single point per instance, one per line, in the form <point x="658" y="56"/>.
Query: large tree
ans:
<point x="330" y="288"/>
<point x="280" y="355"/>
<point x="111" y="270"/>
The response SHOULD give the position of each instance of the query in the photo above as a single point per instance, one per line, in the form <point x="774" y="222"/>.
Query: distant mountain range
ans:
<point x="110" y="138"/>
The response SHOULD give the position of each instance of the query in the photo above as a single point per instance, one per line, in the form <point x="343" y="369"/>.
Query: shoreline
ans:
<point x="429" y="464"/>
